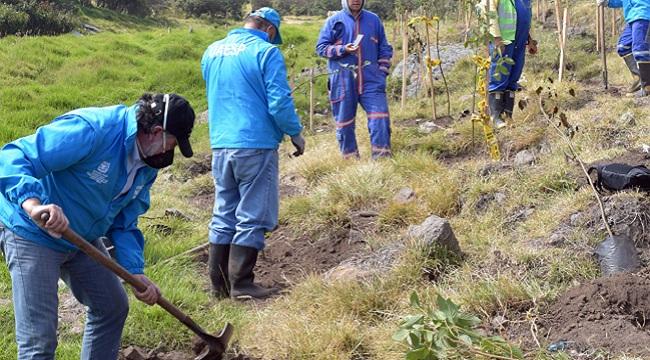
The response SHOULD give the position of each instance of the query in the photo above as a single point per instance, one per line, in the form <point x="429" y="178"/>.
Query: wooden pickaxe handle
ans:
<point x="83" y="245"/>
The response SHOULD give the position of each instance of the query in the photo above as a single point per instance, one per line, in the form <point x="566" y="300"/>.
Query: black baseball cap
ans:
<point x="178" y="120"/>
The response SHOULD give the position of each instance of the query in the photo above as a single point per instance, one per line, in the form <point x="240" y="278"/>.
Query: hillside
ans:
<point x="527" y="228"/>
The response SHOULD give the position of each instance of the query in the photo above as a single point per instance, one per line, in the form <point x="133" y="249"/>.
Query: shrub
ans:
<point x="33" y="17"/>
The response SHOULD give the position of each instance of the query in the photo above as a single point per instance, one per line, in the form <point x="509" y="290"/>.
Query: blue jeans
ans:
<point x="35" y="271"/>
<point x="634" y="39"/>
<point x="247" y="196"/>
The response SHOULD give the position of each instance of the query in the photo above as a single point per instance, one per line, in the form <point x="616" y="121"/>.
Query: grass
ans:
<point x="503" y="265"/>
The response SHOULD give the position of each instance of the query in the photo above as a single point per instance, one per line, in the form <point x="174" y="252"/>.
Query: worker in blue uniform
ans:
<point x="633" y="45"/>
<point x="358" y="72"/>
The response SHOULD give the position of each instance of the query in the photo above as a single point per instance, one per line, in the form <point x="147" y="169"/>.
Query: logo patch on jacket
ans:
<point x="99" y="175"/>
<point x="222" y="50"/>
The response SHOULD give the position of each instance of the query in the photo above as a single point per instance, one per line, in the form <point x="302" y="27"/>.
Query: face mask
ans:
<point x="157" y="161"/>
<point x="161" y="160"/>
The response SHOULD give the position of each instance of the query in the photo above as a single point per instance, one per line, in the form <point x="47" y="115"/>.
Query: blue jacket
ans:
<point x="249" y="99"/>
<point x="374" y="53"/>
<point x="79" y="163"/>
<point x="633" y="9"/>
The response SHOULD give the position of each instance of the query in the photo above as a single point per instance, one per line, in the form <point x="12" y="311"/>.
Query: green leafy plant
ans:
<point x="446" y="332"/>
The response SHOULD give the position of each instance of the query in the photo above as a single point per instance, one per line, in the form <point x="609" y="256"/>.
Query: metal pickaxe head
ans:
<point x="215" y="345"/>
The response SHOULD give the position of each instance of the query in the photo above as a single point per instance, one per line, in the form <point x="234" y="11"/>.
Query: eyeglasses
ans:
<point x="166" y="101"/>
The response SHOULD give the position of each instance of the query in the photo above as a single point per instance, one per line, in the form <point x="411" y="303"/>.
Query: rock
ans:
<point x="500" y="197"/>
<point x="416" y="74"/>
<point x="494" y="167"/>
<point x="428" y="127"/>
<point x="524" y="158"/>
<point x="498" y="321"/>
<point x="134" y="353"/>
<point x="76" y="33"/>
<point x="404" y="195"/>
<point x="91" y="28"/>
<point x="435" y="231"/>
<point x="627" y="119"/>
<point x="556" y="239"/>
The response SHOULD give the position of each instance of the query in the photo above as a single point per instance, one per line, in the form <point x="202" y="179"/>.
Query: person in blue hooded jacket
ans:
<point x="90" y="169"/>
<point x="633" y="45"/>
<point x="358" y="74"/>
<point x="250" y="109"/>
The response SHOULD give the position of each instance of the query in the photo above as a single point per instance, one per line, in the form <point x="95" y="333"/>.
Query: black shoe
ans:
<point x="634" y="69"/>
<point x="496" y="102"/>
<point x="218" y="266"/>
<point x="240" y="272"/>
<point x="509" y="104"/>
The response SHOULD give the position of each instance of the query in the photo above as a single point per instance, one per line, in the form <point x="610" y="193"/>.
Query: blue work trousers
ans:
<point x="35" y="271"/>
<point x="345" y="99"/>
<point x="634" y="40"/>
<point x="509" y="81"/>
<point x="246" y="196"/>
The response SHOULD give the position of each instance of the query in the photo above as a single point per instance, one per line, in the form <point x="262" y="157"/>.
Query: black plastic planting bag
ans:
<point x="617" y="254"/>
<point x="615" y="177"/>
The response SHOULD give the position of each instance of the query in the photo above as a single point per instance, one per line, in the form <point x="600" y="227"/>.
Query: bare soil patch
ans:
<point x="611" y="313"/>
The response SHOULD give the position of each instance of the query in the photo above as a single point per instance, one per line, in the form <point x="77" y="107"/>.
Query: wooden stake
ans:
<point x="603" y="53"/>
<point x="539" y="10"/>
<point x="563" y="44"/>
<point x="430" y="76"/>
<point x="613" y="23"/>
<point x="405" y="54"/>
<point x="598" y="30"/>
<point x="311" y="100"/>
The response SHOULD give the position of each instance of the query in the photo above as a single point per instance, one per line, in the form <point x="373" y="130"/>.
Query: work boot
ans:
<point x="218" y="266"/>
<point x="509" y="104"/>
<point x="240" y="272"/>
<point x="635" y="85"/>
<point x="496" y="102"/>
<point x="644" y="72"/>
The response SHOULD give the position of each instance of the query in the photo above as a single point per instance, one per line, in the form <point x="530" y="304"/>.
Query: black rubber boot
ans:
<point x="240" y="272"/>
<point x="644" y="72"/>
<point x="218" y="266"/>
<point x="496" y="102"/>
<point x="509" y="104"/>
<point x="634" y="69"/>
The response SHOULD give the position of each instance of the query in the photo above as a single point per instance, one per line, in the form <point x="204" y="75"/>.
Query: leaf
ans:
<point x="447" y="306"/>
<point x="414" y="300"/>
<point x="418" y="354"/>
<point x="555" y="110"/>
<point x="409" y="321"/>
<point x="400" y="335"/>
<point x="428" y="336"/>
<point x="414" y="340"/>
<point x="572" y="92"/>
<point x="550" y="80"/>
<point x="539" y="90"/>
<point x="508" y="61"/>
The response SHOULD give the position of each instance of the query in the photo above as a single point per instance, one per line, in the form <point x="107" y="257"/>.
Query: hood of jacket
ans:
<point x="346" y="7"/>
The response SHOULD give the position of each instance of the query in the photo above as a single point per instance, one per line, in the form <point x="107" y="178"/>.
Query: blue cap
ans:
<point x="273" y="17"/>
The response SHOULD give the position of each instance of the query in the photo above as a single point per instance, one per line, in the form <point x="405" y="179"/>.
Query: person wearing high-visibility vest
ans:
<point x="510" y="33"/>
<point x="633" y="45"/>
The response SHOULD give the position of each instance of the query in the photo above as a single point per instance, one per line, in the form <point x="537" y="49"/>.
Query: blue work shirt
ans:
<point x="79" y="162"/>
<point x="371" y="62"/>
<point x="633" y="10"/>
<point x="249" y="99"/>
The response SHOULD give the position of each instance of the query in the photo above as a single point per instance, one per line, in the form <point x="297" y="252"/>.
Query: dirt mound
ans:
<point x="288" y="258"/>
<point x="611" y="313"/>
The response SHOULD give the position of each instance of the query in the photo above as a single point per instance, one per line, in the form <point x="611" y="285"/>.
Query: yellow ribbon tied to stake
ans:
<point x="482" y="117"/>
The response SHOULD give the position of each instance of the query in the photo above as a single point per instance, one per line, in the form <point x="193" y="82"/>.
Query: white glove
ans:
<point x="602" y="2"/>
